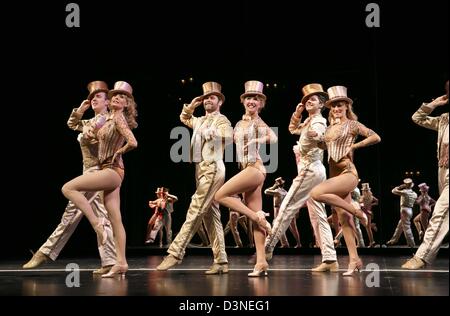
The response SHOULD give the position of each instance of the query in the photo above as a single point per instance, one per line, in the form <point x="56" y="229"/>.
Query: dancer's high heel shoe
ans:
<point x="353" y="266"/>
<point x="260" y="269"/>
<point x="102" y="235"/>
<point x="119" y="270"/>
<point x="263" y="223"/>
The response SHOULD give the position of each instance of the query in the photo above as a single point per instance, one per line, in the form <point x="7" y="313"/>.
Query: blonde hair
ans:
<point x="350" y="114"/>
<point x="130" y="112"/>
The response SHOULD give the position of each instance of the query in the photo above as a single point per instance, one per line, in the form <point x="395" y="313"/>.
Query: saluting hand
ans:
<point x="84" y="106"/>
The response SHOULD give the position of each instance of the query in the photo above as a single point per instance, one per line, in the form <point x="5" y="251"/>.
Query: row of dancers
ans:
<point x="160" y="223"/>
<point x="107" y="136"/>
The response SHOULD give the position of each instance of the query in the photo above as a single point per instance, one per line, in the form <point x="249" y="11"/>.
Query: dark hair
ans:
<point x="322" y="98"/>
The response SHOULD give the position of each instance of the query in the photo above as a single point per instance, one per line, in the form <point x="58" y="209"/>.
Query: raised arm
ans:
<point x="271" y="191"/>
<point x="421" y="116"/>
<point x="295" y="125"/>
<point x="75" y="122"/>
<point x="399" y="190"/>
<point x="172" y="198"/>
<point x="186" y="116"/>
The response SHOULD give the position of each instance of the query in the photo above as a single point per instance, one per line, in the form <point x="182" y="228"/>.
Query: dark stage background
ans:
<point x="389" y="71"/>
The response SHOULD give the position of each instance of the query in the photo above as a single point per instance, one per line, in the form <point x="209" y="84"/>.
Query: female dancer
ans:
<point x="367" y="202"/>
<point x="340" y="139"/>
<point x="426" y="204"/>
<point x="249" y="134"/>
<point x="111" y="136"/>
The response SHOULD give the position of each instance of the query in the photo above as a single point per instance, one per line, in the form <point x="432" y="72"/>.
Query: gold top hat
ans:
<point x="121" y="87"/>
<point x="212" y="87"/>
<point x="95" y="87"/>
<point x="279" y="180"/>
<point x="162" y="190"/>
<point x="408" y="181"/>
<point x="365" y="186"/>
<point x="253" y="87"/>
<point x="423" y="186"/>
<point x="337" y="93"/>
<point x="311" y="89"/>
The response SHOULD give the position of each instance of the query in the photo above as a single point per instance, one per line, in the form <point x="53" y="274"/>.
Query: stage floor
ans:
<point x="289" y="275"/>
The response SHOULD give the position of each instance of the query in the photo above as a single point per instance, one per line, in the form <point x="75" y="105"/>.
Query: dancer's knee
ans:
<point x="66" y="190"/>
<point x="219" y="196"/>
<point x="316" y="194"/>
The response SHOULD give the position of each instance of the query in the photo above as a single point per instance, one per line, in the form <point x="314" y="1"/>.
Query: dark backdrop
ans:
<point x="389" y="71"/>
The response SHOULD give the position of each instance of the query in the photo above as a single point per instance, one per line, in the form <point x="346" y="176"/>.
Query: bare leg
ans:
<point x="332" y="190"/>
<point x="234" y="218"/>
<point x="251" y="240"/>
<point x="112" y="204"/>
<point x="102" y="180"/>
<point x="336" y="192"/>
<point x="254" y="202"/>
<point x="168" y="226"/>
<point x="349" y="234"/>
<point x="245" y="181"/>
<point x="369" y="231"/>
<point x="417" y="223"/>
<point x="161" y="233"/>
<point x="249" y="181"/>
<point x="150" y="225"/>
<point x="294" y="230"/>
<point x="424" y="218"/>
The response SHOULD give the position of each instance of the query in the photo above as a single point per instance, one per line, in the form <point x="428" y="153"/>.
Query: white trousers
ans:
<point x="309" y="176"/>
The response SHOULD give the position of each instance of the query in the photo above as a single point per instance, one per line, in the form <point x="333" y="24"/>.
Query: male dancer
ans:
<point x="311" y="172"/>
<point x="50" y="250"/>
<point x="438" y="225"/>
<point x="209" y="136"/>
<point x="407" y="199"/>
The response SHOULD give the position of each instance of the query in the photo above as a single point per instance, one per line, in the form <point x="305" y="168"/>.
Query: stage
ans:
<point x="289" y="275"/>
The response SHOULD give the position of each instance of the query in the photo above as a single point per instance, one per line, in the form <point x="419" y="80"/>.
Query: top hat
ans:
<point x="212" y="87"/>
<point x="162" y="190"/>
<point x="279" y="180"/>
<point x="95" y="87"/>
<point x="337" y="93"/>
<point x="253" y="87"/>
<point x="408" y="181"/>
<point x="311" y="89"/>
<point x="121" y="87"/>
<point x="365" y="186"/>
<point x="423" y="186"/>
